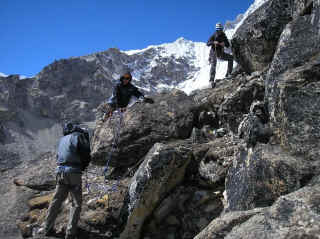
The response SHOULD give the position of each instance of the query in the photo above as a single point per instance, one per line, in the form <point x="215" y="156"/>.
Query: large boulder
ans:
<point x="14" y="203"/>
<point x="171" y="117"/>
<point x="255" y="41"/>
<point x="184" y="213"/>
<point x="292" y="86"/>
<point x="213" y="166"/>
<point x="295" y="215"/>
<point x="297" y="44"/>
<point x="302" y="8"/>
<point x="238" y="103"/>
<point x="258" y="177"/>
<point x="220" y="227"/>
<point x="161" y="171"/>
<point x="231" y="99"/>
<point x="294" y="110"/>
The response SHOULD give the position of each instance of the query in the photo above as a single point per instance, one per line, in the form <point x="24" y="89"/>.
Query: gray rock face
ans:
<point x="184" y="213"/>
<point x="214" y="165"/>
<point x="162" y="170"/>
<point x="255" y="41"/>
<point x="170" y="117"/>
<point x="257" y="178"/>
<point x="14" y="203"/>
<point x="295" y="215"/>
<point x="297" y="44"/>
<point x="222" y="226"/>
<point x="292" y="85"/>
<point x="177" y="190"/>
<point x="238" y="102"/>
<point x="302" y="7"/>
<point x="230" y="100"/>
<point x="294" y="109"/>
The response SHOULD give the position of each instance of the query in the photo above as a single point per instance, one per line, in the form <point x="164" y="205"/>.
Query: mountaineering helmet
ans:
<point x="126" y="76"/>
<point x="219" y="26"/>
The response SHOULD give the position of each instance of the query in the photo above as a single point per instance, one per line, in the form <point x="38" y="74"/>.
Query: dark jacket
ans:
<point x="122" y="94"/>
<point x="218" y="36"/>
<point x="73" y="153"/>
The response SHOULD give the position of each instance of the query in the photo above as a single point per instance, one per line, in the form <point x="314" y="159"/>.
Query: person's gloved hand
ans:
<point x="148" y="100"/>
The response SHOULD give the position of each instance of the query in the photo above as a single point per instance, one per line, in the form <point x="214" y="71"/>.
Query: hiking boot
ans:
<point x="228" y="76"/>
<point x="213" y="84"/>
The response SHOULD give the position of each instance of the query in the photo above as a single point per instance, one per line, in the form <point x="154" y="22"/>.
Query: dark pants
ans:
<point x="66" y="183"/>
<point x="213" y="60"/>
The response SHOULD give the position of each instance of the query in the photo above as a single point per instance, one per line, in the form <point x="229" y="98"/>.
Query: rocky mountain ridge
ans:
<point x="181" y="169"/>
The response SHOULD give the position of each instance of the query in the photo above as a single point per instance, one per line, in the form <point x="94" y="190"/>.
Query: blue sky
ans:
<point x="34" y="33"/>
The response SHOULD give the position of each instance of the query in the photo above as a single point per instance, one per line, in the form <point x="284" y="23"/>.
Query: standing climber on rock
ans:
<point x="122" y="94"/>
<point x="218" y="41"/>
<point x="73" y="157"/>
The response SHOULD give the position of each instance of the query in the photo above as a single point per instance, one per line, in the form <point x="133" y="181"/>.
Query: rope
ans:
<point x="116" y="136"/>
<point x="103" y="188"/>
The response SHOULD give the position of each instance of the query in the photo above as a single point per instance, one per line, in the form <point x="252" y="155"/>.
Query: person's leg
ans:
<point x="213" y="61"/>
<point x="60" y="195"/>
<point x="76" y="195"/>
<point x="229" y="58"/>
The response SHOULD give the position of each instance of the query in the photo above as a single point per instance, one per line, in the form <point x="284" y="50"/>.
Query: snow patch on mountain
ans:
<point x="2" y="74"/>
<point x="22" y="77"/>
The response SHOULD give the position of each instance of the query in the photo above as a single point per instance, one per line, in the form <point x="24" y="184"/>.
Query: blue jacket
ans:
<point x="73" y="153"/>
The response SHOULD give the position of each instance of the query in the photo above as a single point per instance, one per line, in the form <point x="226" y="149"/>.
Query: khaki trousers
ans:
<point x="66" y="183"/>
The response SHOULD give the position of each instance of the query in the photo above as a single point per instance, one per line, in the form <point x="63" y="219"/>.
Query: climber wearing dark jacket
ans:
<point x="217" y="42"/>
<point x="72" y="158"/>
<point x="122" y="94"/>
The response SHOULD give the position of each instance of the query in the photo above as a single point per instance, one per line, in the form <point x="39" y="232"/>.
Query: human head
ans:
<point x="70" y="127"/>
<point x="219" y="27"/>
<point x="126" y="78"/>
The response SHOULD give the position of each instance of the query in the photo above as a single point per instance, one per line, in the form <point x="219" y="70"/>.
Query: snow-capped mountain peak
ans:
<point x="182" y="51"/>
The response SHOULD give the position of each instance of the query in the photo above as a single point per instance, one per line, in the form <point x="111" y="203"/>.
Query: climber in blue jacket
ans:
<point x="73" y="157"/>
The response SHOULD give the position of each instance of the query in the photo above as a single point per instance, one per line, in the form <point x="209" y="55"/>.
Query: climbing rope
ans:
<point x="116" y="137"/>
<point x="103" y="188"/>
<point x="117" y="124"/>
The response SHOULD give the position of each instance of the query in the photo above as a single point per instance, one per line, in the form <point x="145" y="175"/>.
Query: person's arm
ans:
<point x="211" y="40"/>
<point x="114" y="99"/>
<point x="83" y="148"/>
<point x="226" y="42"/>
<point x="137" y="93"/>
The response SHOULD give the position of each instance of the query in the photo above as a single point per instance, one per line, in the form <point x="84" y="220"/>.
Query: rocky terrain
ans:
<point x="204" y="165"/>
